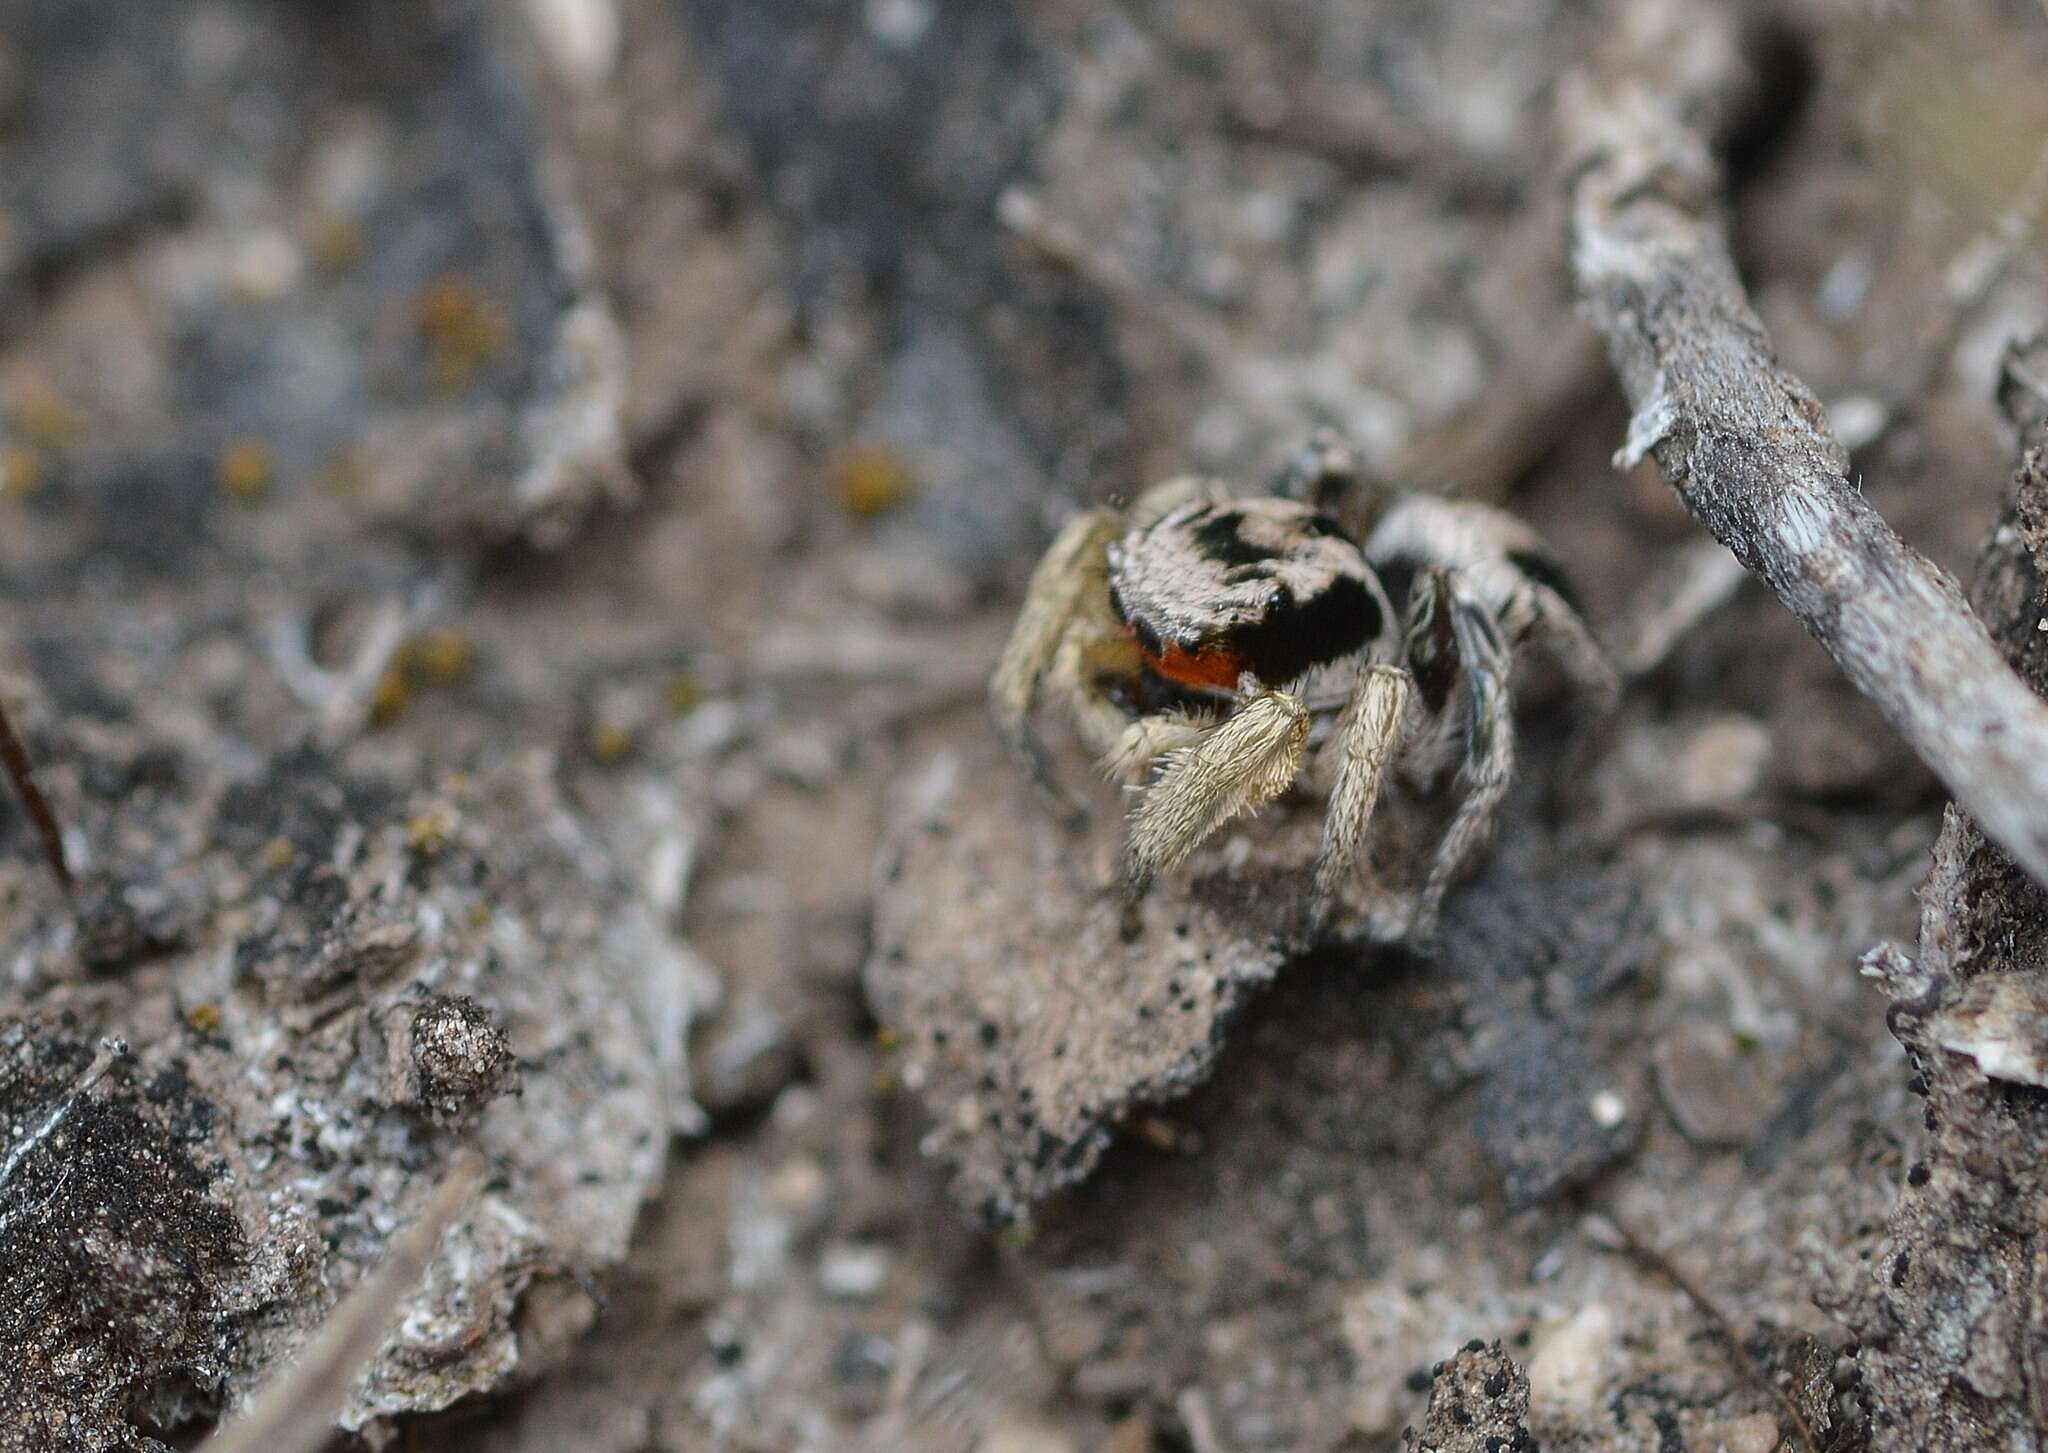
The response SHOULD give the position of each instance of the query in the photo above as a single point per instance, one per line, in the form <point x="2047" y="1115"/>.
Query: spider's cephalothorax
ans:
<point x="1269" y="587"/>
<point x="1204" y="635"/>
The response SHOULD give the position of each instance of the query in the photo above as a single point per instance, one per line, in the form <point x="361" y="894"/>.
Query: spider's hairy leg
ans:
<point x="1367" y="738"/>
<point x="1238" y="766"/>
<point x="1489" y="753"/>
<point x="1073" y="572"/>
<point x="33" y="802"/>
<point x="1565" y="632"/>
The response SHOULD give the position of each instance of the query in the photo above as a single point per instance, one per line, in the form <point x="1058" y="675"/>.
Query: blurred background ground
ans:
<point x="505" y="512"/>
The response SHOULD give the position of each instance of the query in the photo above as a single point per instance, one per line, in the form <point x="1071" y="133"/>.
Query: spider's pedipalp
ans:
<point x="1489" y="751"/>
<point x="1368" y="737"/>
<point x="1237" y="766"/>
<point x="1430" y="647"/>
<point x="1142" y="742"/>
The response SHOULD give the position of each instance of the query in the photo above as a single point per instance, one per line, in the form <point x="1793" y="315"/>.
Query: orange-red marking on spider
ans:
<point x="1204" y="666"/>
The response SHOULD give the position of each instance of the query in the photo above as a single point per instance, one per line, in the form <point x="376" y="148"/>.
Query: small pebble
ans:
<point x="1607" y="1109"/>
<point x="1757" y="1433"/>
<point x="853" y="1272"/>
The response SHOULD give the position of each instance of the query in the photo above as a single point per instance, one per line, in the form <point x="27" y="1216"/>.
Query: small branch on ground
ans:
<point x="1656" y="1260"/>
<point x="15" y="759"/>
<point x="1747" y="446"/>
<point x="295" y="1411"/>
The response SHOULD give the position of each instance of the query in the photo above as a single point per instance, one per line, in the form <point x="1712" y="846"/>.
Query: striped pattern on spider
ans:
<point x="1197" y="637"/>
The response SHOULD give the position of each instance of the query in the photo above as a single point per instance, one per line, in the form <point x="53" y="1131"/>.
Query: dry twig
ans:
<point x="15" y="759"/>
<point x="1656" y="1260"/>
<point x="294" y="1413"/>
<point x="1747" y="446"/>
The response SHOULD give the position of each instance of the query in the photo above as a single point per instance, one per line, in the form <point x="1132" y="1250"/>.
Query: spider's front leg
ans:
<point x="1237" y="766"/>
<point x="1368" y="736"/>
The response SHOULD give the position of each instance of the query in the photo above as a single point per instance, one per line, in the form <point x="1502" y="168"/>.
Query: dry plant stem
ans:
<point x="295" y="1411"/>
<point x="1748" y="450"/>
<point x="33" y="802"/>
<point x="1643" y="1251"/>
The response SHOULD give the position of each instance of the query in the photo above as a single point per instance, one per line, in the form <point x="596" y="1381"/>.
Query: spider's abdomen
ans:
<point x="1266" y="586"/>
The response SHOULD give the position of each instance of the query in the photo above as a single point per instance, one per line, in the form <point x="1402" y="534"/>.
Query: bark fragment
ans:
<point x="1955" y="1321"/>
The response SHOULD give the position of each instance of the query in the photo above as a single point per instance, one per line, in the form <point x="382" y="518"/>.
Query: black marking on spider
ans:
<point x="1220" y="538"/>
<point x="1545" y="571"/>
<point x="1397" y="578"/>
<point x="1295" y="635"/>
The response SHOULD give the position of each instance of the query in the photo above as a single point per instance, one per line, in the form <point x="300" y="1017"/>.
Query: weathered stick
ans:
<point x="1747" y="446"/>
<point x="295" y="1410"/>
<point x="15" y="759"/>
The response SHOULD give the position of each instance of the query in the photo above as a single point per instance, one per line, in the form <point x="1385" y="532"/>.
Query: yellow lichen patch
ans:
<point x="334" y="241"/>
<point x="427" y="832"/>
<point x="390" y="698"/>
<point x="463" y="330"/>
<point x="204" y="1017"/>
<point x="1159" y="1132"/>
<point x="870" y="479"/>
<point x="479" y="914"/>
<point x="246" y="469"/>
<point x="21" y="472"/>
<point x="43" y="415"/>
<point x="683" y="693"/>
<point x="887" y="1039"/>
<point x="277" y="854"/>
<point x="611" y="742"/>
<point x="439" y="657"/>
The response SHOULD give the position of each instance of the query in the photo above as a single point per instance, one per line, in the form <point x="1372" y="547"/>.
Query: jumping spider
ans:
<point x="1220" y="639"/>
